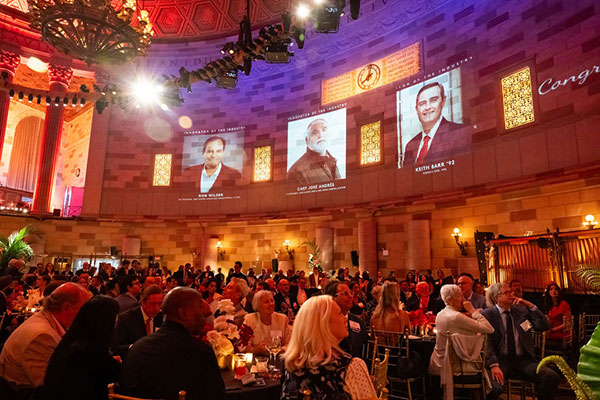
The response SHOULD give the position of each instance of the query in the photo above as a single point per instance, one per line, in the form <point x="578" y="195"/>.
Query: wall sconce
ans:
<point x="590" y="221"/>
<point x="289" y="250"/>
<point x="220" y="251"/>
<point x="461" y="245"/>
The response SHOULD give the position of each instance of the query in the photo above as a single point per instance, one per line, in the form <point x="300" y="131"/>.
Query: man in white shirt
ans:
<point x="213" y="173"/>
<point x="27" y="351"/>
<point x="439" y="137"/>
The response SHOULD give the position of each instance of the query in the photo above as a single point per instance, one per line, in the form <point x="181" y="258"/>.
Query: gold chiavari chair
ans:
<point x="587" y="324"/>
<point x="114" y="396"/>
<point x="397" y="344"/>
<point x="526" y="388"/>
<point x="471" y="376"/>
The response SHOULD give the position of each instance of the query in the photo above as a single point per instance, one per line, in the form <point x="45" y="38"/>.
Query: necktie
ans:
<point x="424" y="149"/>
<point x="510" y="336"/>
<point x="148" y="326"/>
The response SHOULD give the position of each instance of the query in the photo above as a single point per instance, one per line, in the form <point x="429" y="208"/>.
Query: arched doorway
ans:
<point x="25" y="154"/>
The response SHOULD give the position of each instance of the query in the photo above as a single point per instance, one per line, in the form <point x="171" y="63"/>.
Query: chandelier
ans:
<point x="93" y="30"/>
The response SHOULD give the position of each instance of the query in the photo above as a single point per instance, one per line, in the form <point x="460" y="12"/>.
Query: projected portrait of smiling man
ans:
<point x="316" y="164"/>
<point x="438" y="136"/>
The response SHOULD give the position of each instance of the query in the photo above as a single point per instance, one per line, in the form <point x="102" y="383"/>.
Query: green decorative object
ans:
<point x="15" y="247"/>
<point x="580" y="388"/>
<point x="588" y="368"/>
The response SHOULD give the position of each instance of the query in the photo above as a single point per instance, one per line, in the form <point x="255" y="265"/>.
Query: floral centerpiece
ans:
<point x="227" y="338"/>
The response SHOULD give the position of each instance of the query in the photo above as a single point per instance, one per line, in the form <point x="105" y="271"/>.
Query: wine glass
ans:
<point x="274" y="347"/>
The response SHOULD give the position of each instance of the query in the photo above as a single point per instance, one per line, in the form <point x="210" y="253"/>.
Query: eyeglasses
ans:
<point x="506" y="292"/>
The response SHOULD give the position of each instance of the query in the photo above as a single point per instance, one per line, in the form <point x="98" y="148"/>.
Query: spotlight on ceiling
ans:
<point x="21" y="95"/>
<point x="227" y="79"/>
<point x="327" y="17"/>
<point x="30" y="98"/>
<point x="278" y="53"/>
<point x="302" y="11"/>
<point x="146" y="91"/>
<point x="39" y="99"/>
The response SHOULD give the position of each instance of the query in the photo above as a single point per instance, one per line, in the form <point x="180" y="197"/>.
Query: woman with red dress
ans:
<point x="557" y="310"/>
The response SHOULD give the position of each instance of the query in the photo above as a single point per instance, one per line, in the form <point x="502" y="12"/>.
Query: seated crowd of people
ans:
<point x="145" y="328"/>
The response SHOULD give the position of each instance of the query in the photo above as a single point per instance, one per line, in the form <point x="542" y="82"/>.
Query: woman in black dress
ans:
<point x="82" y="366"/>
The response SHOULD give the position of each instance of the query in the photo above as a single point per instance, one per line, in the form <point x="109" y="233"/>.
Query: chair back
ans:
<point x="587" y="324"/>
<point x="390" y="340"/>
<point x="539" y="344"/>
<point x="462" y="367"/>
<point x="380" y="370"/>
<point x="112" y="395"/>
<point x="568" y="332"/>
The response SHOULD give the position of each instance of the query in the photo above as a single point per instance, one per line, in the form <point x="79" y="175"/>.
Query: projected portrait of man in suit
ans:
<point x="438" y="137"/>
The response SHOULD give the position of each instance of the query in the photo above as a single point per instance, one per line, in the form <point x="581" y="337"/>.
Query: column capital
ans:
<point x="60" y="74"/>
<point x="9" y="61"/>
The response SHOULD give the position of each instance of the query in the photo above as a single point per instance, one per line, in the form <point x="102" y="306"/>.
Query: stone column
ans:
<point x="367" y="247"/>
<point x="9" y="62"/>
<point x="419" y="245"/>
<point x="53" y="124"/>
<point x="324" y="239"/>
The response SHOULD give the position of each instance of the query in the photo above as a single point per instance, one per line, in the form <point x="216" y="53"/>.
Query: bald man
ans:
<point x="173" y="359"/>
<point x="27" y="351"/>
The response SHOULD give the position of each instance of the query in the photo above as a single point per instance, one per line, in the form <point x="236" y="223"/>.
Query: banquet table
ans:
<point x="234" y="390"/>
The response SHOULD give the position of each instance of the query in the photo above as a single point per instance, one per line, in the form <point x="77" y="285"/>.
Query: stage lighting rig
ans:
<point x="227" y="79"/>
<point x="278" y="53"/>
<point x="228" y="48"/>
<point x="299" y="34"/>
<point x="354" y="9"/>
<point x="327" y="16"/>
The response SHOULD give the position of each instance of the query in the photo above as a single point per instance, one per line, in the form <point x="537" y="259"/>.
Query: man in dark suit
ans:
<point x="172" y="359"/>
<point x="439" y="137"/>
<point x="237" y="272"/>
<point x="510" y="352"/>
<point x="213" y="174"/>
<point x="452" y="279"/>
<point x="285" y="302"/>
<point x="465" y="282"/>
<point x="357" y="331"/>
<point x="138" y="322"/>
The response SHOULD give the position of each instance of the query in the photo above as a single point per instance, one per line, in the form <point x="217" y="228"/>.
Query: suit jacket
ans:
<point x="313" y="281"/>
<point x="449" y="280"/>
<point x="519" y="315"/>
<point x="27" y="351"/>
<point x="227" y="176"/>
<point x="130" y="328"/>
<point x="126" y="302"/>
<point x="449" y="139"/>
<point x="170" y="360"/>
<point x="357" y="336"/>
<point x="279" y="300"/>
<point x="477" y="300"/>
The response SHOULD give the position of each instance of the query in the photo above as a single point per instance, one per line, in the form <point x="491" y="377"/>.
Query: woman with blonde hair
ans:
<point x="314" y="360"/>
<point x="389" y="315"/>
<point x="266" y="323"/>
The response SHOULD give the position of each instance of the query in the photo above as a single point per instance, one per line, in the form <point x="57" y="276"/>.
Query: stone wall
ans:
<point x="254" y="241"/>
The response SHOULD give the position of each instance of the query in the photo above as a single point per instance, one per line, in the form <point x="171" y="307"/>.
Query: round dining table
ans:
<point x="234" y="390"/>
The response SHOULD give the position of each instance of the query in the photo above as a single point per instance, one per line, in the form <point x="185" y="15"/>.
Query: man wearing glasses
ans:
<point x="510" y="352"/>
<point x="357" y="332"/>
